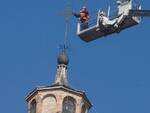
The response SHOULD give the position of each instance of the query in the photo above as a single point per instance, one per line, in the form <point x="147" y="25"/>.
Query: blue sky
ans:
<point x="114" y="71"/>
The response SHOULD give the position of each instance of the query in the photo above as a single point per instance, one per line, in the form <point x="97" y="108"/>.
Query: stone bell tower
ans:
<point x="59" y="97"/>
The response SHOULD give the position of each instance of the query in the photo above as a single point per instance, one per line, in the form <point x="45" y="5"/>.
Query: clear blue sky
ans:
<point x="114" y="71"/>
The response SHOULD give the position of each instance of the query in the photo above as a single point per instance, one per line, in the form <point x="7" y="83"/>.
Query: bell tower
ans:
<point x="59" y="97"/>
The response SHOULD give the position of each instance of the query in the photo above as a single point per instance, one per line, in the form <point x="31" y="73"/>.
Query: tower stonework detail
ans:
<point x="61" y="76"/>
<point x="59" y="97"/>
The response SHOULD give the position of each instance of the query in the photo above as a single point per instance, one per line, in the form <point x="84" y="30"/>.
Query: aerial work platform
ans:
<point x="128" y="15"/>
<point x="98" y="31"/>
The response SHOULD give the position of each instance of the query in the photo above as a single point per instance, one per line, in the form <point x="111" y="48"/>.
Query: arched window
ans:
<point x="33" y="106"/>
<point x="69" y="105"/>
<point x="49" y="104"/>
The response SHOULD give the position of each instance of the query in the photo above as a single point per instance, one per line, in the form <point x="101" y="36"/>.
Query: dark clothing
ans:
<point x="76" y="15"/>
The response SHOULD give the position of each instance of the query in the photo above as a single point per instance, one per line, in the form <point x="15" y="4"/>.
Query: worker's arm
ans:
<point x="75" y="14"/>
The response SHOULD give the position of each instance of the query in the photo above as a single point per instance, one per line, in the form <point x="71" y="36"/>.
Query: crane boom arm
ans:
<point x="142" y="13"/>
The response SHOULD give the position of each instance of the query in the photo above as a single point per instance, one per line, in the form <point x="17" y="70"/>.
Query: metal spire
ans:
<point x="67" y="14"/>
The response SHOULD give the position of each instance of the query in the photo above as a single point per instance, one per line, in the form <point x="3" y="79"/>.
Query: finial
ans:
<point x="63" y="60"/>
<point x="63" y="57"/>
<point x="61" y="75"/>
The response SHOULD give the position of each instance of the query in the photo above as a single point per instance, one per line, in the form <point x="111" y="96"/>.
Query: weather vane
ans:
<point x="67" y="13"/>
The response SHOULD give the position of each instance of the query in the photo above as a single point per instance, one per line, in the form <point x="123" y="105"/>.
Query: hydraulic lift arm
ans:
<point x="141" y="13"/>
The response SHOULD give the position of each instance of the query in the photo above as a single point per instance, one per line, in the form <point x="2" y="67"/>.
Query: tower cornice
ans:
<point x="63" y="88"/>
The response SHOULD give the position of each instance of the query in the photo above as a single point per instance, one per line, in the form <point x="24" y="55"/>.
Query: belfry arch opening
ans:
<point x="69" y="105"/>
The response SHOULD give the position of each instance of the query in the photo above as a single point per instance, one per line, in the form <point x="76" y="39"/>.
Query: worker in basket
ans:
<point x="83" y="16"/>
